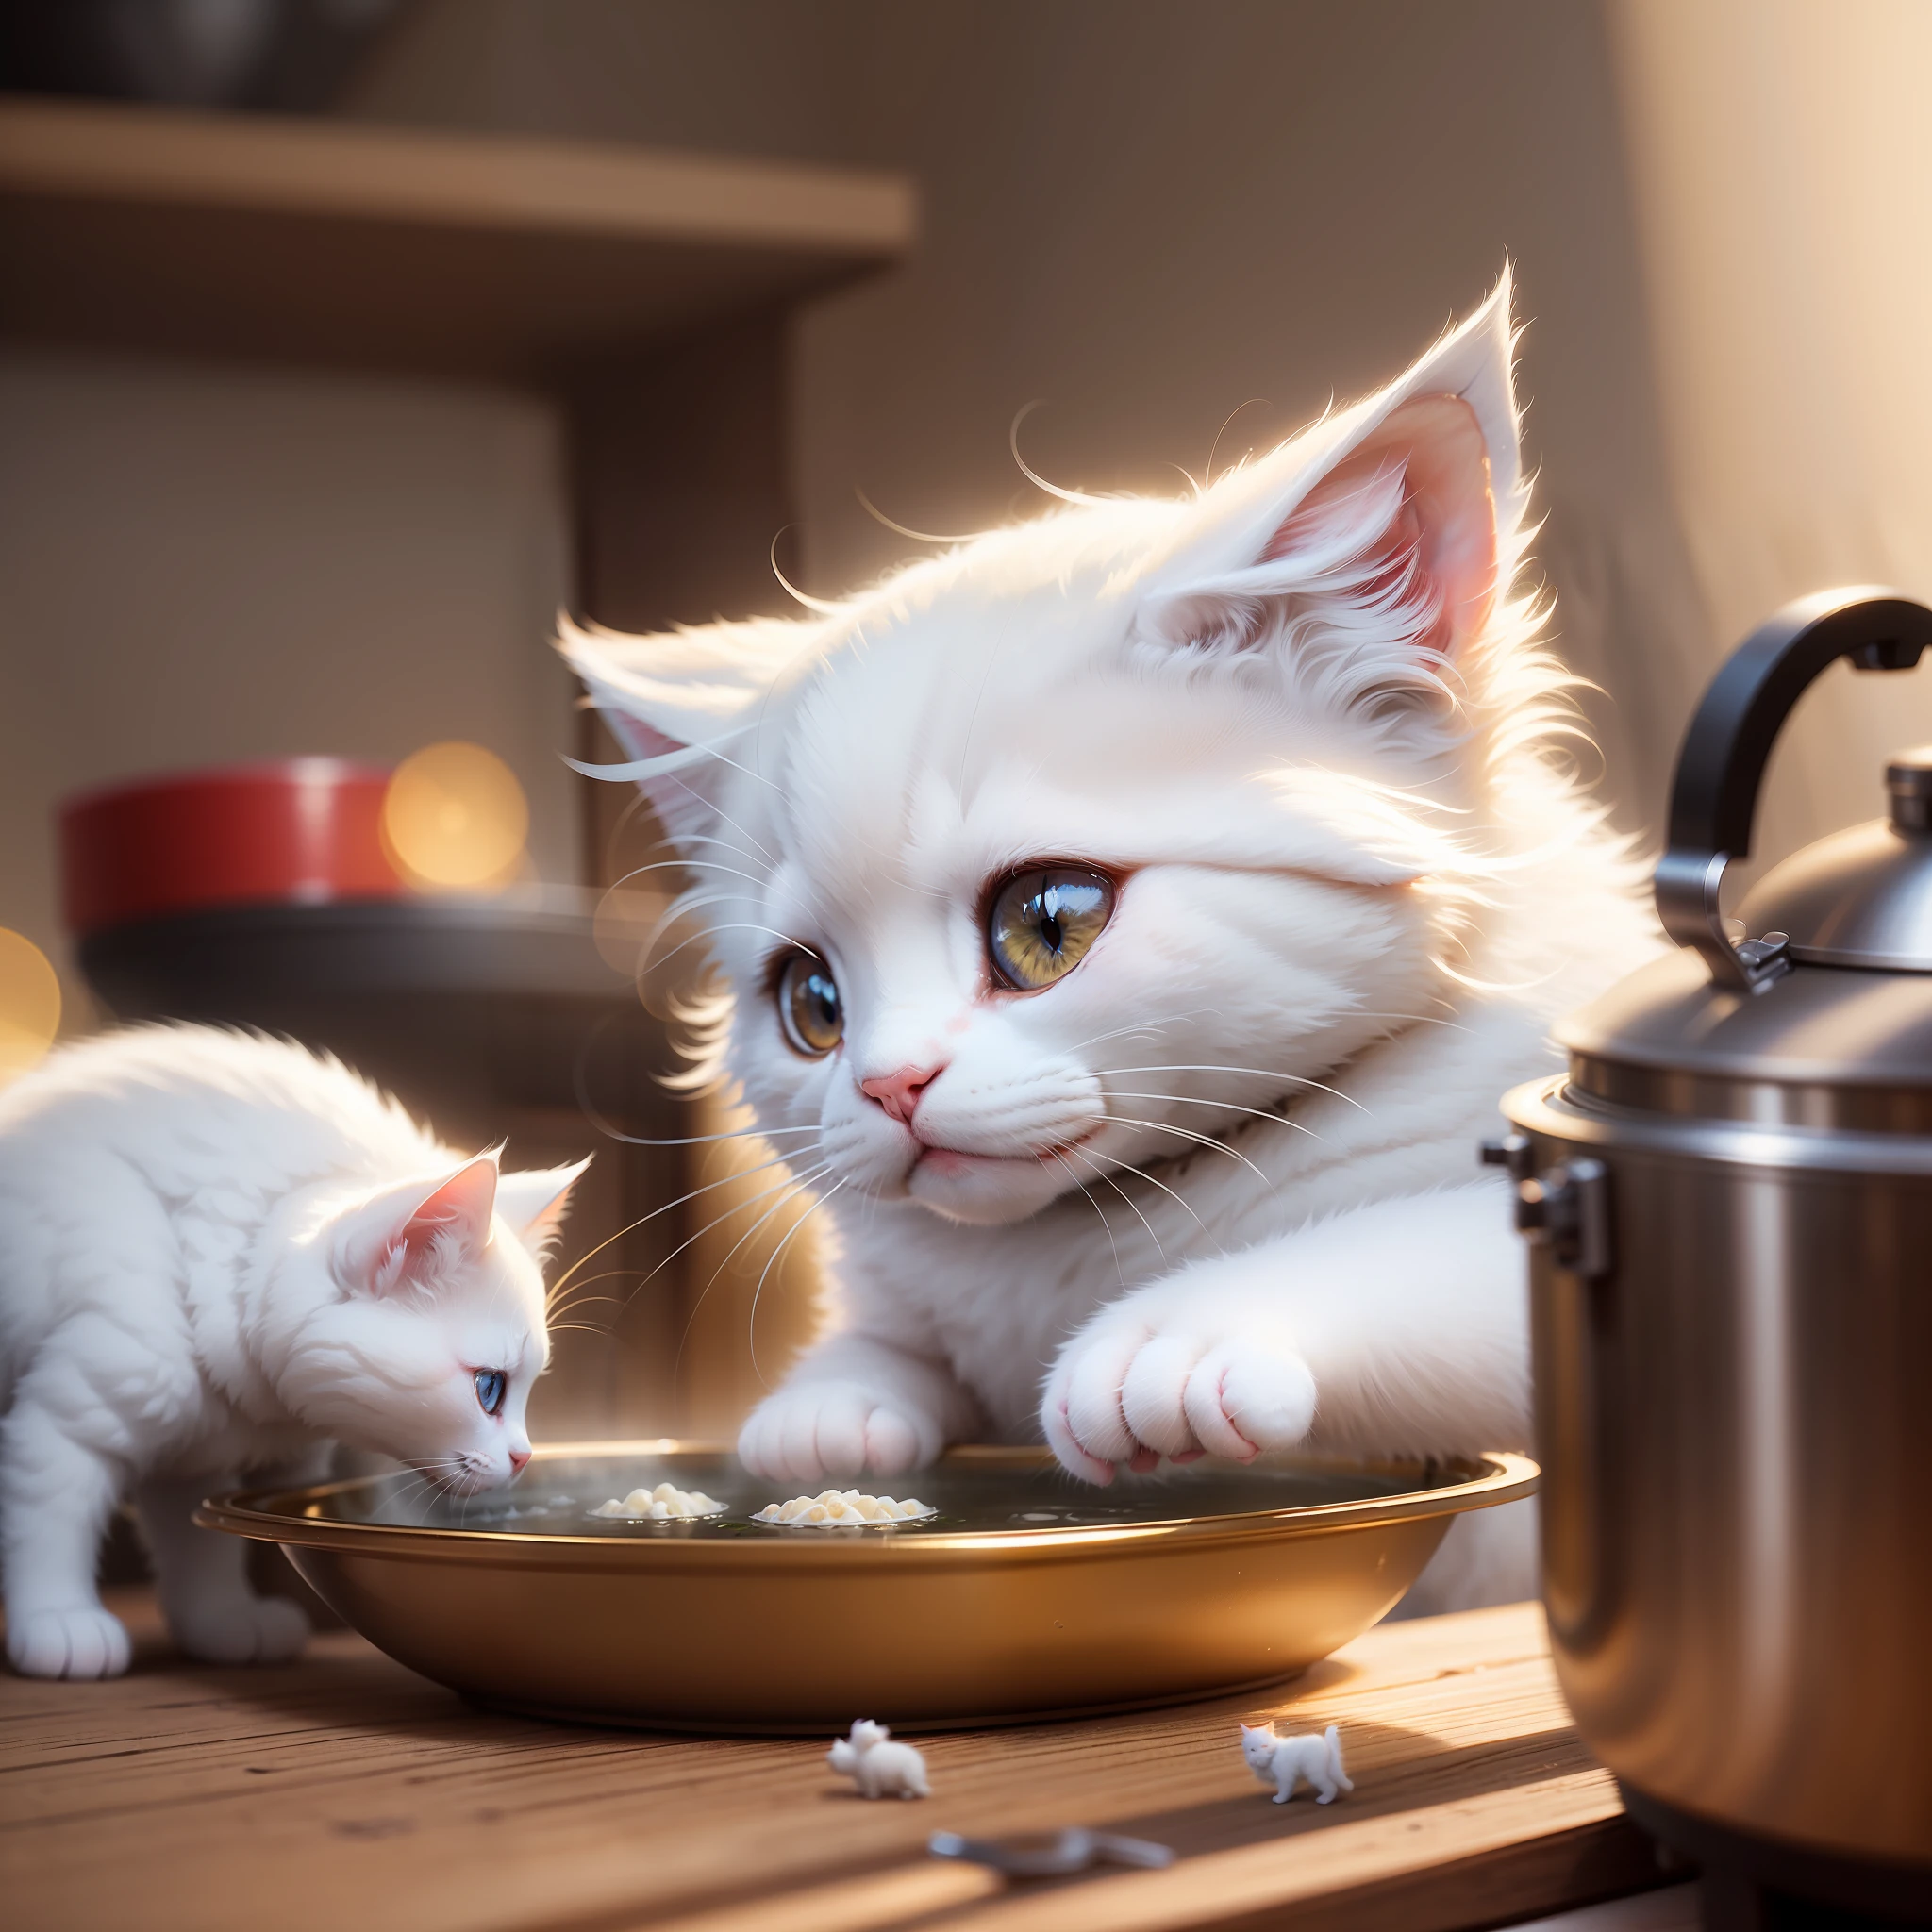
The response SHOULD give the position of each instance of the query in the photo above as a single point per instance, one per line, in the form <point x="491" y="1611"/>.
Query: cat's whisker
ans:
<point x="1101" y="1174"/>
<point x="723" y="845"/>
<point x="728" y="925"/>
<point x="801" y="1181"/>
<point x="684" y="906"/>
<point x="698" y="1140"/>
<point x="566" y="1319"/>
<point x="724" y="818"/>
<point x="1180" y="1199"/>
<point x="637" y="871"/>
<point x="709" y="1187"/>
<point x="785" y="1197"/>
<point x="1081" y="1187"/>
<point x="1225" y="1105"/>
<point x="771" y="1261"/>
<point x="1127" y="1120"/>
<point x="1415" y="1019"/>
<point x="1260" y="1073"/>
<point x="1134" y="1027"/>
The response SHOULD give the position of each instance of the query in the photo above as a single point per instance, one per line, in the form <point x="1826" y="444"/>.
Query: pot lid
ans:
<point x="1817" y="1012"/>
<point x="1665" y="1037"/>
<point x="1862" y="897"/>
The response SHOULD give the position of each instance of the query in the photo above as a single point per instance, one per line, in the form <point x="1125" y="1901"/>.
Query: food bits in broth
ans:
<point x="831" y="1508"/>
<point x="666" y="1502"/>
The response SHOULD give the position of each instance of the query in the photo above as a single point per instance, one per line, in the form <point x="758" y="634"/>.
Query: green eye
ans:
<point x="1043" y="923"/>
<point x="809" y="1009"/>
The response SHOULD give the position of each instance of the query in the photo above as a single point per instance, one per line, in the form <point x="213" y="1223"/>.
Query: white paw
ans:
<point x="818" y="1429"/>
<point x="1126" y="1393"/>
<point x="89" y="1642"/>
<point x="239" y="1630"/>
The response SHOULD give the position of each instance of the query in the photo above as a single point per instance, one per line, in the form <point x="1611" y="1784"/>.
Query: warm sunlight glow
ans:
<point x="29" y="1004"/>
<point x="454" y="818"/>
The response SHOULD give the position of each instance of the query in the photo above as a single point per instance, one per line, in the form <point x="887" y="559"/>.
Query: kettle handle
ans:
<point x="1714" y="793"/>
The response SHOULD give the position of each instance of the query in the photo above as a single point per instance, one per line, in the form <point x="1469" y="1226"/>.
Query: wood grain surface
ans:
<point x="345" y="1791"/>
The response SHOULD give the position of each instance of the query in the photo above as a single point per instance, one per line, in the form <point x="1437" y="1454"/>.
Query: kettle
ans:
<point x="1728" y="1197"/>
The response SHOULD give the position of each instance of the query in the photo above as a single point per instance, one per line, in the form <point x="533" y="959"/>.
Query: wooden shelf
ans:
<point x="344" y="244"/>
<point x="342" y="1790"/>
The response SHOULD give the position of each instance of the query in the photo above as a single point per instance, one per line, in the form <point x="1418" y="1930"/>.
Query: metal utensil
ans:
<point x="1730" y="1197"/>
<point x="1022" y="1596"/>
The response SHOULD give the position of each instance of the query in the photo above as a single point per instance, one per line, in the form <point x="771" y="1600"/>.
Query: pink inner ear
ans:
<point x="1446" y="526"/>
<point x="461" y="1206"/>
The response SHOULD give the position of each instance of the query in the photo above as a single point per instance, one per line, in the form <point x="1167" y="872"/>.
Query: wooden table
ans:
<point x="346" y="1793"/>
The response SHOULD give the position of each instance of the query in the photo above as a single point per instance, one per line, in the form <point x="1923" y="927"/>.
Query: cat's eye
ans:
<point x="1042" y="923"/>
<point x="491" y="1386"/>
<point x="809" y="1009"/>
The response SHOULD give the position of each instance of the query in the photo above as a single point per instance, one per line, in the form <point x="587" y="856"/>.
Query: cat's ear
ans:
<point x="1369" y="552"/>
<point x="535" y="1202"/>
<point x="683" y="706"/>
<point x="382" y="1244"/>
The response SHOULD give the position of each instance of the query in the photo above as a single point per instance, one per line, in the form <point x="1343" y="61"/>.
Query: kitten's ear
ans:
<point x="379" y="1247"/>
<point x="682" y="704"/>
<point x="535" y="1202"/>
<point x="1368" y="551"/>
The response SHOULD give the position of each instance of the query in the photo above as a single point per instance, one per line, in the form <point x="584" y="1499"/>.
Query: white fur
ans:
<point x="878" y="1768"/>
<point x="1215" y="1190"/>
<point x="1284" y="1763"/>
<point x="218" y="1252"/>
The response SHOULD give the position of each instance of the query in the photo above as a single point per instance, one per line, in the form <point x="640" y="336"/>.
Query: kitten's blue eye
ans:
<point x="1042" y="923"/>
<point x="491" y="1383"/>
<point x="809" y="1009"/>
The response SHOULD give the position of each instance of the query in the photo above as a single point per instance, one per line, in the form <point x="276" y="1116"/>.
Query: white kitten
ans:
<point x="881" y="1769"/>
<point x="1284" y="1763"/>
<point x="217" y="1252"/>
<point x="1134" y="918"/>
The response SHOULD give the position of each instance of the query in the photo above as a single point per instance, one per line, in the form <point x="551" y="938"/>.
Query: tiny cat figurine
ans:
<point x="218" y="1253"/>
<point x="1132" y="919"/>
<point x="1284" y="1763"/>
<point x="879" y="1768"/>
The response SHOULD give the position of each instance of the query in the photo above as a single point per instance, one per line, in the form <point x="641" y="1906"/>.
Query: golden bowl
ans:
<point x="1025" y="1596"/>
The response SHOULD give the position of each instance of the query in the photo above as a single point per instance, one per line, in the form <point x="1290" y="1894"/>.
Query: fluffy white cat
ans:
<point x="1134" y="917"/>
<point x="218" y="1252"/>
<point x="1285" y="1762"/>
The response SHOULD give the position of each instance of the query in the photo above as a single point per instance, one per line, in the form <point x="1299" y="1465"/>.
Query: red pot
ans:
<point x="302" y="829"/>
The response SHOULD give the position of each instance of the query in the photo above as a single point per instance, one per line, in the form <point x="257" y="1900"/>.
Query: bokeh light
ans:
<point x="454" y="818"/>
<point x="29" y="1004"/>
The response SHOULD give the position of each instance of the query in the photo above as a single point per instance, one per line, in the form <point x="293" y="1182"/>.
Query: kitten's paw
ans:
<point x="239" y="1630"/>
<point x="87" y="1642"/>
<point x="820" y="1429"/>
<point x="1124" y="1394"/>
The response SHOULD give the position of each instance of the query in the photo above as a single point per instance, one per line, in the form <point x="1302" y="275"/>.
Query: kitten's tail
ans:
<point x="1332" y="1736"/>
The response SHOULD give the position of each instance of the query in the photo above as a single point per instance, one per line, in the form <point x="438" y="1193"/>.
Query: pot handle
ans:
<point x="1714" y="793"/>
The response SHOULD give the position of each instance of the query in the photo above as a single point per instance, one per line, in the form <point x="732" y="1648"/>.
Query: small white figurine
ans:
<point x="879" y="1768"/>
<point x="1281" y="1761"/>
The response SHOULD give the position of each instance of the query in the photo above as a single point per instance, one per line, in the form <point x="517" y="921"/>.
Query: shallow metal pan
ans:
<point x="1025" y="1596"/>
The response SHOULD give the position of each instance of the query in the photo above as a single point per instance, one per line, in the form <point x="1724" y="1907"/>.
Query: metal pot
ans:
<point x="1730" y="1197"/>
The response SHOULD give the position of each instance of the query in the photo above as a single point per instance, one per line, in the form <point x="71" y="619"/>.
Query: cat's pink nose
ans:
<point x="898" y="1093"/>
<point x="517" y="1459"/>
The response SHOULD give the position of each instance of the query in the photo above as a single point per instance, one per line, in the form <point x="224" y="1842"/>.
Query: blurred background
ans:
<point x="342" y="343"/>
